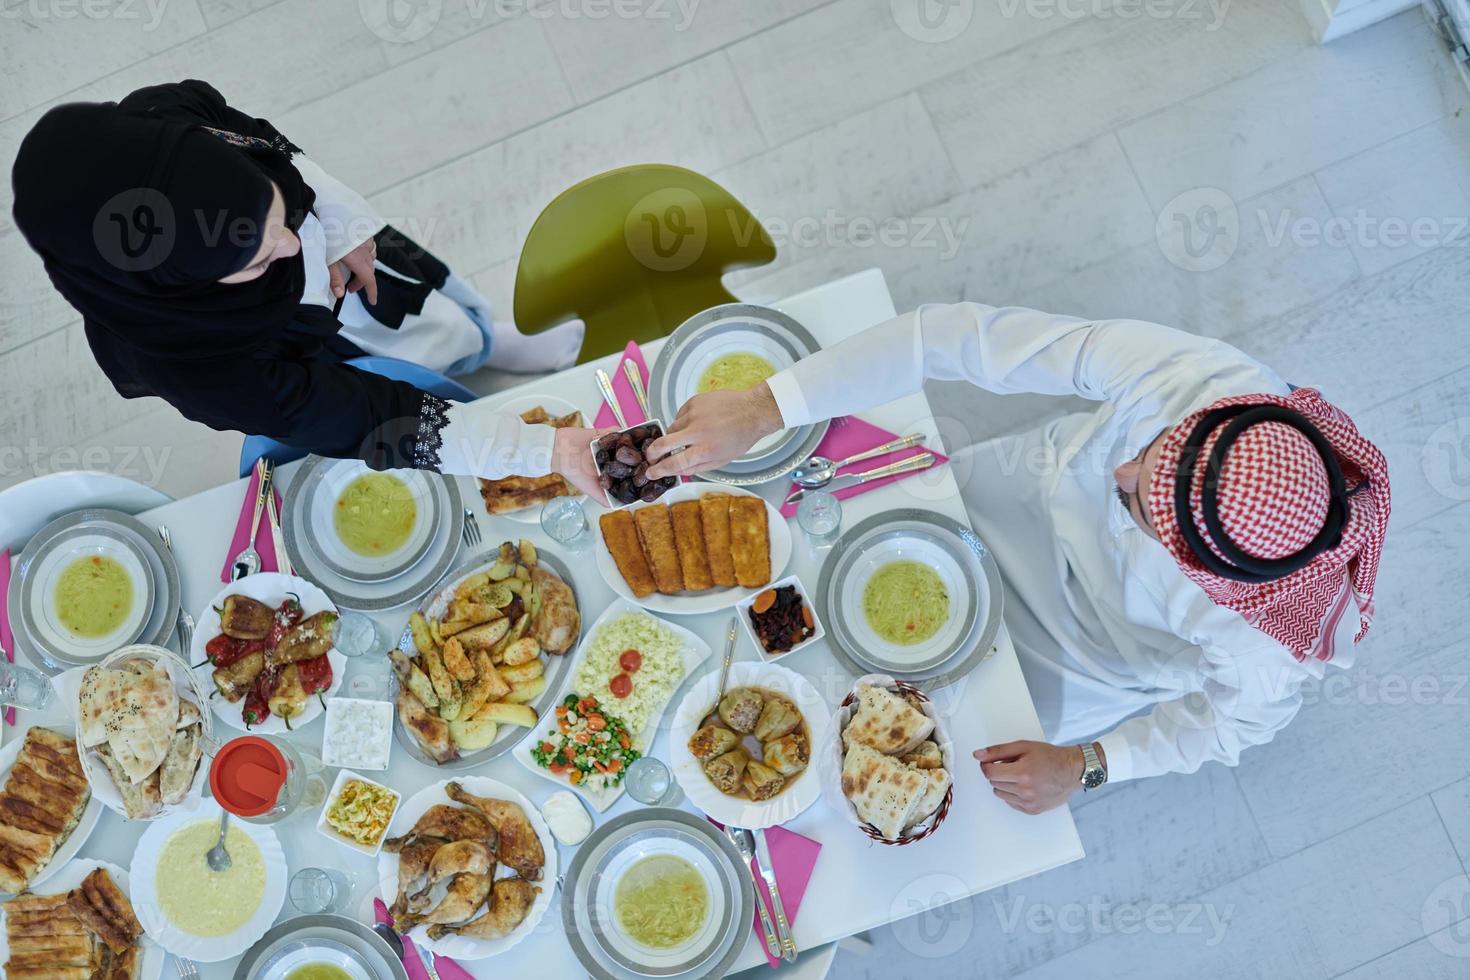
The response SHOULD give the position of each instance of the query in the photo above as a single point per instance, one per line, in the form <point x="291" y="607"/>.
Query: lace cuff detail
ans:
<point x="429" y="441"/>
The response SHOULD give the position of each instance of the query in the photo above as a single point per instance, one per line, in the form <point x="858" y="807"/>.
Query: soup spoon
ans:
<point x="218" y="857"/>
<point x="818" y="471"/>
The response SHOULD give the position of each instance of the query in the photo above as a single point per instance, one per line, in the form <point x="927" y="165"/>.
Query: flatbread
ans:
<point x="886" y="722"/>
<point x="714" y="518"/>
<point x="934" y="792"/>
<point x="137" y="708"/>
<point x="884" y="792"/>
<point x="176" y="774"/>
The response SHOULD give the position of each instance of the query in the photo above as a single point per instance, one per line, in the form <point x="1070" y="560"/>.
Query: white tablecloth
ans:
<point x="856" y="885"/>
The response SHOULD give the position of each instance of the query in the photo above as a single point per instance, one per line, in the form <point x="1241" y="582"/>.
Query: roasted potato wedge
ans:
<point x="471" y="585"/>
<point x="490" y="685"/>
<point x="521" y="673"/>
<point x="521" y="651"/>
<point x="529" y="691"/>
<point x="472" y="734"/>
<point x="528" y="553"/>
<point x="501" y="570"/>
<point x="451" y="708"/>
<point x="421" y="687"/>
<point x="503" y="713"/>
<point x="423" y="639"/>
<point x="438" y="675"/>
<point x="484" y="636"/>
<point x="455" y="660"/>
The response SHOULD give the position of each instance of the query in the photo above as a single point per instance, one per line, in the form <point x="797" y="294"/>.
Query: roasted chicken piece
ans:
<point x="461" y="857"/>
<point x="788" y="754"/>
<point x="741" y="709"/>
<point x="431" y="731"/>
<point x="448" y="823"/>
<point x="510" y="903"/>
<point x="779" y="717"/>
<point x="517" y="845"/>
<point x="761" y="782"/>
<point x="557" y="623"/>
<point x="725" y="770"/>
<point x="466" y="892"/>
<point x="712" y="740"/>
<point x="413" y="864"/>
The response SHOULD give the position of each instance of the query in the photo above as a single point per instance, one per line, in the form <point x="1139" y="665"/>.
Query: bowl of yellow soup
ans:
<point x="367" y="525"/>
<point x="197" y="913"/>
<point x="94" y="596"/>
<point x="316" y="958"/>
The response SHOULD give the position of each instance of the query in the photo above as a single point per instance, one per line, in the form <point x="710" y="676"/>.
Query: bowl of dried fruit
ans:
<point x="780" y="620"/>
<point x="622" y="462"/>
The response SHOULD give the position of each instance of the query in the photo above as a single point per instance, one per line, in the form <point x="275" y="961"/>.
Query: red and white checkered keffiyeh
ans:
<point x="1273" y="497"/>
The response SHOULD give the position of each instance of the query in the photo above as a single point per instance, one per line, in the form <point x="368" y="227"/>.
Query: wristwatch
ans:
<point x="1094" y="774"/>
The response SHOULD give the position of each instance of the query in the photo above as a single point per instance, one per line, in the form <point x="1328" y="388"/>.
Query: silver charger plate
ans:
<point x="158" y="626"/>
<point x="726" y="329"/>
<point x="977" y="627"/>
<point x="508" y="737"/>
<point x="369" y="947"/>
<point x="329" y="481"/>
<point x="371" y="596"/>
<point x="643" y="828"/>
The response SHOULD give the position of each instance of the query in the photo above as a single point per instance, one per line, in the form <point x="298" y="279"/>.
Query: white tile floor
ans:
<point x="1025" y="155"/>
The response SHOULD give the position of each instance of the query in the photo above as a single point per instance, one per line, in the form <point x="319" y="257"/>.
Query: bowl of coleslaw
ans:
<point x="358" y="812"/>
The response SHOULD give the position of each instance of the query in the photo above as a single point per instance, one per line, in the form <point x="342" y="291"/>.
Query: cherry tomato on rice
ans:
<point x="621" y="686"/>
<point x="631" y="660"/>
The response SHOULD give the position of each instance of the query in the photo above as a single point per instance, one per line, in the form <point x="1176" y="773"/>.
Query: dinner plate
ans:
<point x="327" y="932"/>
<point x="802" y="790"/>
<point x="727" y="329"/>
<point x="205" y="949"/>
<point x="433" y="607"/>
<point x="963" y="563"/>
<point x="271" y="588"/>
<point x="710" y="600"/>
<point x="121" y="532"/>
<point x="91" y="813"/>
<point x="463" y="947"/>
<point x="324" y="489"/>
<point x="523" y="403"/>
<point x="589" y="918"/>
<point x="391" y="593"/>
<point x="694" y="652"/>
<point x="150" y="966"/>
<point x="317" y="951"/>
<point x="80" y="546"/>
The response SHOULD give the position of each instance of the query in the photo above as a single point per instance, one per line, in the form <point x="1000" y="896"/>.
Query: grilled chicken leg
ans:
<point x="510" y="902"/>
<point x="517" y="846"/>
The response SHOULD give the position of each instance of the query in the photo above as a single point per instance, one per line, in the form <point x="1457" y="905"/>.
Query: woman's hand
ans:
<point x="356" y="266"/>
<point x="1032" y="777"/>
<point x="571" y="456"/>
<point x="714" y="428"/>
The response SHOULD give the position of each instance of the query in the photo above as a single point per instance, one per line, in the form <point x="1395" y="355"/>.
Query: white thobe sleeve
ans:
<point x="1007" y="350"/>
<point x="345" y="215"/>
<point x="487" y="444"/>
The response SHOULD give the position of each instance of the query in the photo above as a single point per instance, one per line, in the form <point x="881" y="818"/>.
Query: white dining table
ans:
<point x="856" y="884"/>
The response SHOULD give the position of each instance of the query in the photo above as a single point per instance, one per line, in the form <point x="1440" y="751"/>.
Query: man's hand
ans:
<point x="1033" y="777"/>
<point x="713" y="429"/>
<point x="571" y="456"/>
<point x="356" y="265"/>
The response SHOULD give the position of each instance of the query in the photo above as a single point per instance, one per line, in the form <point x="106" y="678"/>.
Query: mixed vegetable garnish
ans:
<point x="273" y="659"/>
<point x="590" y="747"/>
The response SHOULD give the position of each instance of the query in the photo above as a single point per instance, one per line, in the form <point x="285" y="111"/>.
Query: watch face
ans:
<point x="1093" y="778"/>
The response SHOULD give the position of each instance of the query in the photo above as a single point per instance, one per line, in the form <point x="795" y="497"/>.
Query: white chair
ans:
<point x="27" y="507"/>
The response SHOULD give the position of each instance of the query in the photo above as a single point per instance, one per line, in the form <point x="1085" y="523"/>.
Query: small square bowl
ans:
<point x="327" y="831"/>
<point x="743" y="611"/>
<point x="382" y="715"/>
<point x="659" y="428"/>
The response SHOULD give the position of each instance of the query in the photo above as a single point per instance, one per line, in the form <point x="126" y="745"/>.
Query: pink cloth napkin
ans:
<point x="853" y="435"/>
<point x="6" y="640"/>
<point x="793" y="857"/>
<point x="265" y="541"/>
<point x="443" y="965"/>
<point x="623" y="389"/>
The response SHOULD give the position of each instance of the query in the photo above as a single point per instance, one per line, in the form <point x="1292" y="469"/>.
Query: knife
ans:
<point x="283" y="561"/>
<point x="920" y="462"/>
<point x="768" y="871"/>
<point x="742" y="843"/>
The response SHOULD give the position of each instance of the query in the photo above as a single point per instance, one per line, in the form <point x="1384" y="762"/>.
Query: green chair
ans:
<point x="634" y="253"/>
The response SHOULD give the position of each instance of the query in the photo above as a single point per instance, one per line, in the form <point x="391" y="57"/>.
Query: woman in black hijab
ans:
<point x="170" y="220"/>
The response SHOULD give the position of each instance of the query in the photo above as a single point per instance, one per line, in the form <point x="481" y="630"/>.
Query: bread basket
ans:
<point x="188" y="686"/>
<point x="839" y="722"/>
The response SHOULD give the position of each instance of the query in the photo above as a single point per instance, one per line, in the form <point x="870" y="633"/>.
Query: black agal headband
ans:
<point x="1236" y="564"/>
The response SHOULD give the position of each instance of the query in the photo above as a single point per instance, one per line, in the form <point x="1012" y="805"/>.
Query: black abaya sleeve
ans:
<point x="200" y="102"/>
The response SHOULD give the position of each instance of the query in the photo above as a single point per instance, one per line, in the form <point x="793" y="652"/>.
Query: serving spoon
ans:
<point x="818" y="471"/>
<point x="218" y="858"/>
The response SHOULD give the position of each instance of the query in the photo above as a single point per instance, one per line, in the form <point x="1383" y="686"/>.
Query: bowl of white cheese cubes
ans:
<point x="358" y="734"/>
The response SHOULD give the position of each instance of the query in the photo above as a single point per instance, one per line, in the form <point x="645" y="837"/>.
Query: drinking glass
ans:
<point x="23" y="687"/>
<point x="356" y="634"/>
<point x="564" y="521"/>
<point x="317" y="890"/>
<point x="651" y="783"/>
<point x="819" y="514"/>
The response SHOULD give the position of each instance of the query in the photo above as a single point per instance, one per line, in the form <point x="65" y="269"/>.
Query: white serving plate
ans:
<point x="48" y="572"/>
<point x="462" y="947"/>
<point x="9" y="752"/>
<point x="694" y="652"/>
<point x="271" y="588"/>
<point x="710" y="600"/>
<point x="205" y="949"/>
<point x="150" y="965"/>
<point x="800" y="793"/>
<point x="325" y="493"/>
<point x="524" y="403"/>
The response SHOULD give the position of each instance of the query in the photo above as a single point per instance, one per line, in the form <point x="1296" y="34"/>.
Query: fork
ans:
<point x="187" y="969"/>
<point x="471" y="533"/>
<point x="185" y="621"/>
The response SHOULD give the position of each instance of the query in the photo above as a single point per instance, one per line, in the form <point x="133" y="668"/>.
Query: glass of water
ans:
<point x="564" y="521"/>
<point x="23" y="687"/>
<point x="819" y="514"/>
<point x="317" y="890"/>
<point x="651" y="783"/>
<point x="356" y="634"/>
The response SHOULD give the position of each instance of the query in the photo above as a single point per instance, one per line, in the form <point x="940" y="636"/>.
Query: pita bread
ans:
<point x="884" y="792"/>
<point x="933" y="795"/>
<point x="136" y="707"/>
<point x="177" y="772"/>
<point x="886" y="722"/>
<point x="926" y="756"/>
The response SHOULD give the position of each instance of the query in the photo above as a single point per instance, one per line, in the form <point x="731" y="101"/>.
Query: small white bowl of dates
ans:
<point x="780" y="620"/>
<point x="622" y="462"/>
